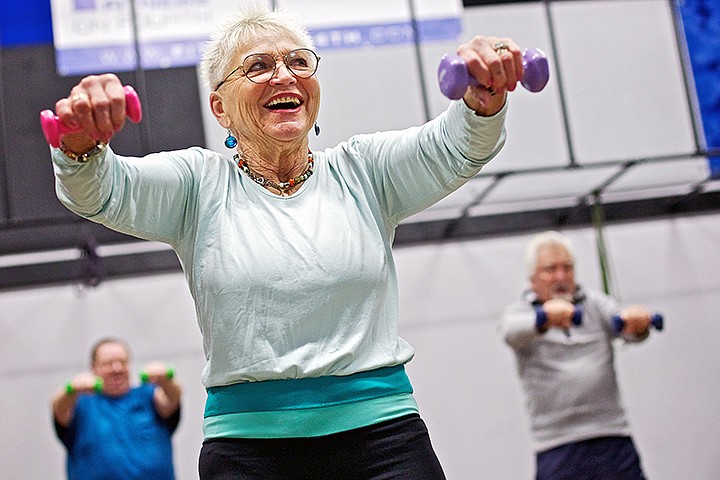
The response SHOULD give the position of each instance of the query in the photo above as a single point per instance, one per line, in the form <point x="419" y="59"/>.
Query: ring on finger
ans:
<point x="501" y="47"/>
<point x="78" y="97"/>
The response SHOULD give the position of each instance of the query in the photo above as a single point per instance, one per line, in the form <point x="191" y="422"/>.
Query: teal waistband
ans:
<point x="309" y="422"/>
<point x="302" y="393"/>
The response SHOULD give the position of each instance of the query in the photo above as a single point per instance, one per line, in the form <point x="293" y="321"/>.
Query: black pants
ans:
<point x="398" y="449"/>
<point x="604" y="458"/>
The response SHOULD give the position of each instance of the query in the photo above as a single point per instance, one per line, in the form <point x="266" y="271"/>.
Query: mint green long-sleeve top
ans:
<point x="288" y="287"/>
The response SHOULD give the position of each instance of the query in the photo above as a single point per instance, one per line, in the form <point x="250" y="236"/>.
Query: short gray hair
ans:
<point x="550" y="237"/>
<point x="246" y="25"/>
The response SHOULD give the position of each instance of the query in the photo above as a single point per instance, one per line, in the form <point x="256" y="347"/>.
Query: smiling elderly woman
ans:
<point x="287" y="252"/>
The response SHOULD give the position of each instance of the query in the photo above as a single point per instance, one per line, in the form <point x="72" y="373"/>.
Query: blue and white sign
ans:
<point x="93" y="36"/>
<point x="375" y="23"/>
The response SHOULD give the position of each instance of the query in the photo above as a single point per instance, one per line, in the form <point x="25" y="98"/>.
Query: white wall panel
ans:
<point x="622" y="79"/>
<point x="690" y="171"/>
<point x="367" y="90"/>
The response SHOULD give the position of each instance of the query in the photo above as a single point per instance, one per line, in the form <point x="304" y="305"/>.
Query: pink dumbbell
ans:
<point x="454" y="78"/>
<point x="53" y="128"/>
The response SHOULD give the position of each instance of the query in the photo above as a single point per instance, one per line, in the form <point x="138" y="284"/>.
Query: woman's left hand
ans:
<point x="497" y="65"/>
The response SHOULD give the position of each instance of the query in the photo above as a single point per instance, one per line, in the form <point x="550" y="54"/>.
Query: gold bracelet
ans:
<point x="84" y="157"/>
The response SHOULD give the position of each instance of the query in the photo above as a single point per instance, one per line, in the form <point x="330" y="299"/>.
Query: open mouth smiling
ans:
<point x="284" y="103"/>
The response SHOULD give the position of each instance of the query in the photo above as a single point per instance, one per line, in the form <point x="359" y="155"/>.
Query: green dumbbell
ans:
<point x="169" y="373"/>
<point x="97" y="386"/>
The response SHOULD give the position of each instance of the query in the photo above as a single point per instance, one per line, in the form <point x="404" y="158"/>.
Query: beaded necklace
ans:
<point x="283" y="187"/>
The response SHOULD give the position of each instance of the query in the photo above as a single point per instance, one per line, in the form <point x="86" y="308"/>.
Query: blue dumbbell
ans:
<point x="541" y="317"/>
<point x="577" y="316"/>
<point x="656" y="320"/>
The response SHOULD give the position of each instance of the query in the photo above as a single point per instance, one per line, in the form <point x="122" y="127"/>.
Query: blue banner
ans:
<point x="25" y="22"/>
<point x="701" y="22"/>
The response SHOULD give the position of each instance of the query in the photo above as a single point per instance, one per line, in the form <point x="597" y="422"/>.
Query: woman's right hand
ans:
<point x="96" y="106"/>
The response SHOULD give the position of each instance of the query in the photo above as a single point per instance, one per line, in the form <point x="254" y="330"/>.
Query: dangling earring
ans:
<point x="230" y="141"/>
<point x="317" y="130"/>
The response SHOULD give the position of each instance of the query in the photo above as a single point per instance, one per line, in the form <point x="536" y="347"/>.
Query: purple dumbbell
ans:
<point x="454" y="78"/>
<point x="656" y="320"/>
<point x="53" y="128"/>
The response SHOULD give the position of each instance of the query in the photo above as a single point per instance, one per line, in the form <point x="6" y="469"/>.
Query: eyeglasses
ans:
<point x="261" y="67"/>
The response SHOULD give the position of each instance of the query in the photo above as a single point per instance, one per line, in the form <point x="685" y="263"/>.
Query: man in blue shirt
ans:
<point x="112" y="430"/>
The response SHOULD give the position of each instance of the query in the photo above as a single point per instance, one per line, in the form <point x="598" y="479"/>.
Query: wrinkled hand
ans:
<point x="498" y="71"/>
<point x="636" y="320"/>
<point x="559" y="313"/>
<point x="96" y="105"/>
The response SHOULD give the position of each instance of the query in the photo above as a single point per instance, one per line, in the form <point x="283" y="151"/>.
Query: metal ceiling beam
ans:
<point x="470" y="228"/>
<point x="82" y="271"/>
